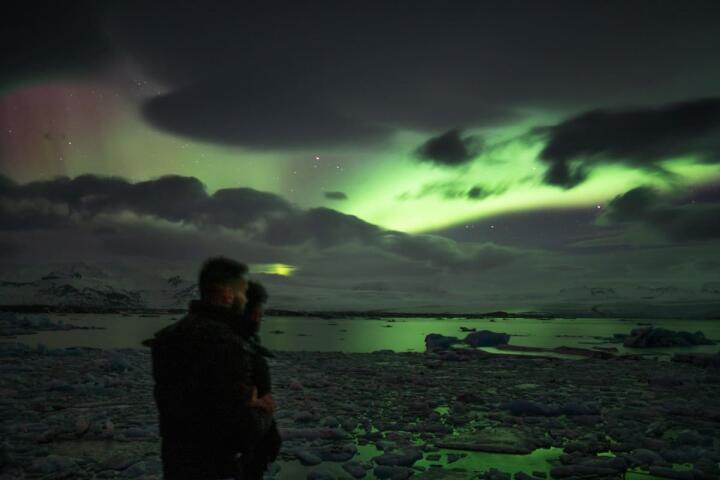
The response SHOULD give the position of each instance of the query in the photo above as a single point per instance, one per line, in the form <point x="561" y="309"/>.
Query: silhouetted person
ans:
<point x="266" y="451"/>
<point x="203" y="367"/>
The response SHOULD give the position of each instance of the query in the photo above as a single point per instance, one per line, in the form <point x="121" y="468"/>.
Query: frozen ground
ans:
<point x="89" y="413"/>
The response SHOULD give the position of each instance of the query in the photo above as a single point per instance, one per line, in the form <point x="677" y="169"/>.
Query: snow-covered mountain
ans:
<point x="83" y="285"/>
<point x="640" y="300"/>
<point x="633" y="291"/>
<point x="153" y="284"/>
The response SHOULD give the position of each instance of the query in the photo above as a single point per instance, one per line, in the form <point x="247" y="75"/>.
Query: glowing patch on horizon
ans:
<point x="281" y="269"/>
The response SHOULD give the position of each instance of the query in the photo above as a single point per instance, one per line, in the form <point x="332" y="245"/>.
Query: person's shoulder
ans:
<point x="199" y="327"/>
<point x="168" y="334"/>
<point x="213" y="332"/>
<point x="199" y="332"/>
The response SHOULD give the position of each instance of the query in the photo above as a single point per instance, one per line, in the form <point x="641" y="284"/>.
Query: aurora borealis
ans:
<point x="486" y="154"/>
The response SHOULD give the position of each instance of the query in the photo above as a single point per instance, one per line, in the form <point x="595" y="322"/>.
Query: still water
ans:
<point x="366" y="335"/>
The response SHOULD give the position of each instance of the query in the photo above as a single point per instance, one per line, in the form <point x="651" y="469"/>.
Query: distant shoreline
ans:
<point x="327" y="314"/>
<point x="272" y="312"/>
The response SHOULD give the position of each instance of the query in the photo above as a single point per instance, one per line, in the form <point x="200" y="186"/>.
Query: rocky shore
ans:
<point x="88" y="413"/>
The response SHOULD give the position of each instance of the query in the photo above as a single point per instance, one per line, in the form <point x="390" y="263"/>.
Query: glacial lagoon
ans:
<point x="362" y="335"/>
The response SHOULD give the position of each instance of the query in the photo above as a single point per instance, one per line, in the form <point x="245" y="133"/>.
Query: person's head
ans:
<point x="257" y="296"/>
<point x="223" y="281"/>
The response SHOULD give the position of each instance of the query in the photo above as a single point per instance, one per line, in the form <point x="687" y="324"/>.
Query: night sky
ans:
<point x="461" y="154"/>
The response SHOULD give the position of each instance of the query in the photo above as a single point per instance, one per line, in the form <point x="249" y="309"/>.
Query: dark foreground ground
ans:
<point x="88" y="413"/>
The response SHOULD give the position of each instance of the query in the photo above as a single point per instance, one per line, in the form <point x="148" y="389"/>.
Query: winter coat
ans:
<point x="203" y="370"/>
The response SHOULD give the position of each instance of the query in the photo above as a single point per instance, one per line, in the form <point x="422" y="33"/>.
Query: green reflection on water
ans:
<point x="442" y="410"/>
<point x="367" y="335"/>
<point x="540" y="460"/>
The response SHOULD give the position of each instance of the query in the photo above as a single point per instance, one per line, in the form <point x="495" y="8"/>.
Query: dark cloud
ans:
<point x="641" y="138"/>
<point x="105" y="230"/>
<point x="287" y="73"/>
<point x="257" y="112"/>
<point x="551" y="229"/>
<point x="8" y="249"/>
<point x="336" y="195"/>
<point x="6" y="184"/>
<point x="450" y="149"/>
<point x="564" y="175"/>
<point x="323" y="226"/>
<point x="25" y="217"/>
<point x="419" y="259"/>
<point x="240" y="207"/>
<point x="51" y="38"/>
<point x="707" y="193"/>
<point x="175" y="198"/>
<point x="479" y="192"/>
<point x="444" y="253"/>
<point x="690" y="223"/>
<point x="672" y="215"/>
<point x="139" y="239"/>
<point x="353" y="261"/>
<point x="76" y="193"/>
<point x="454" y="190"/>
<point x="172" y="197"/>
<point x="425" y="109"/>
<point x="633" y="205"/>
<point x="252" y="221"/>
